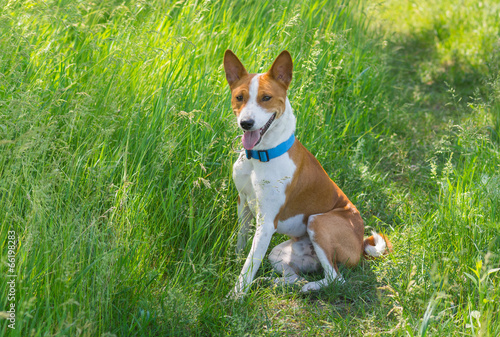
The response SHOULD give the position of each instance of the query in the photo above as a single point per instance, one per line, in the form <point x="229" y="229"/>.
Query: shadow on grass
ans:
<point x="425" y="76"/>
<point x="430" y="93"/>
<point x="337" y="307"/>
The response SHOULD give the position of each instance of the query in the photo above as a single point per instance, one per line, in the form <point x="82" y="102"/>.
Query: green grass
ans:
<point x="115" y="164"/>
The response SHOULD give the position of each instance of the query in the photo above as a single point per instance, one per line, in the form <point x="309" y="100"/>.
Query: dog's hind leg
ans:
<point x="293" y="257"/>
<point x="337" y="236"/>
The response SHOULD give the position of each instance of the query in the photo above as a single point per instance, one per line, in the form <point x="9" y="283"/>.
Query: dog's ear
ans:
<point x="282" y="68"/>
<point x="233" y="67"/>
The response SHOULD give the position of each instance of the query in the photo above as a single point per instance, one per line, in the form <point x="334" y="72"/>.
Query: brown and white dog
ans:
<point x="285" y="189"/>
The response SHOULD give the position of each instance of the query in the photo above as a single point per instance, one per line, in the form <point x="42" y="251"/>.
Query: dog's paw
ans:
<point x="311" y="286"/>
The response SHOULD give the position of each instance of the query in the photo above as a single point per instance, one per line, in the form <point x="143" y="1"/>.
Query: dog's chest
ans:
<point x="264" y="187"/>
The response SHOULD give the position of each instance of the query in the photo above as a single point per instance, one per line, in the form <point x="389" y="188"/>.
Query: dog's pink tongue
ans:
<point x="250" y="138"/>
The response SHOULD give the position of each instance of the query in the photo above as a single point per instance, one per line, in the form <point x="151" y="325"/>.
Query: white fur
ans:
<point x="292" y="257"/>
<point x="293" y="226"/>
<point x="281" y="258"/>
<point x="278" y="132"/>
<point x="379" y="248"/>
<point x="245" y="217"/>
<point x="264" y="199"/>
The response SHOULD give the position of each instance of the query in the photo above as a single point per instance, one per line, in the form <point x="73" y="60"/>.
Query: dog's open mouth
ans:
<point x="252" y="138"/>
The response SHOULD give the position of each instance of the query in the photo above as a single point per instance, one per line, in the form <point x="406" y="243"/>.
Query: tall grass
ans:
<point x="116" y="138"/>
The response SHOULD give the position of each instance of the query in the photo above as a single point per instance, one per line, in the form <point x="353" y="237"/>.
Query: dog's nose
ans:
<point x="247" y="124"/>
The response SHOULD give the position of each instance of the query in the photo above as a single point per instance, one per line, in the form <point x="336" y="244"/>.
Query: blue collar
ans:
<point x="266" y="155"/>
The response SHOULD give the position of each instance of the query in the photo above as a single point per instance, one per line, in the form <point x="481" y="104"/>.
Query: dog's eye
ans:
<point x="239" y="98"/>
<point x="266" y="98"/>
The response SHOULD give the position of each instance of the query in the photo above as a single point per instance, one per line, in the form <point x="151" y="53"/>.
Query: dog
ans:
<point x="286" y="190"/>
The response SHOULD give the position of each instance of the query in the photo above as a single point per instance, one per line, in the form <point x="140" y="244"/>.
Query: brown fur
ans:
<point x="310" y="183"/>
<point x="235" y="71"/>
<point x="339" y="229"/>
<point x="340" y="234"/>
<point x="241" y="87"/>
<point x="269" y="87"/>
<point x="274" y="83"/>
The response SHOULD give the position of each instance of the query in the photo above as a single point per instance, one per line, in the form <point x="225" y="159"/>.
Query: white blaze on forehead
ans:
<point x="253" y="90"/>
<point x="252" y="110"/>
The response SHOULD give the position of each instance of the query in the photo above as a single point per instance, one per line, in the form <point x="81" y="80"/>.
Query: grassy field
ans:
<point x="116" y="140"/>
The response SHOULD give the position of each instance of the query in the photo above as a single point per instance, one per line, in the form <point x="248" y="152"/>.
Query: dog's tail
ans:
<point x="376" y="245"/>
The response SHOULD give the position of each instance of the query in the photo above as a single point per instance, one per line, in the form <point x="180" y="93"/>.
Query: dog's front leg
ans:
<point x="261" y="240"/>
<point x="245" y="217"/>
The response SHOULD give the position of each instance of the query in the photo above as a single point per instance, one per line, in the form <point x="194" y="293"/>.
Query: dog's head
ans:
<point x="257" y="99"/>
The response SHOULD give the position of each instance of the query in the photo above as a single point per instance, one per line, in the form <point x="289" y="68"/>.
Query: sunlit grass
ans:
<point x="115" y="163"/>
